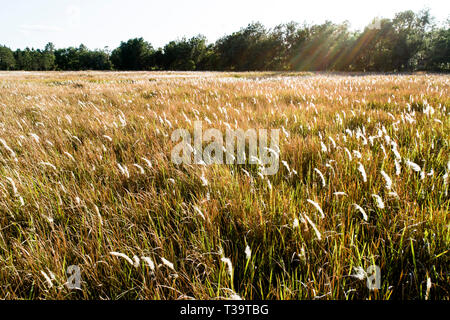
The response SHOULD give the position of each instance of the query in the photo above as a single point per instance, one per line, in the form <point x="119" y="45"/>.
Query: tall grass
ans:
<point x="86" y="179"/>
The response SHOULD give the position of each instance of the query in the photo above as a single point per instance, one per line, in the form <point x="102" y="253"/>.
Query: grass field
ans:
<point x="86" y="179"/>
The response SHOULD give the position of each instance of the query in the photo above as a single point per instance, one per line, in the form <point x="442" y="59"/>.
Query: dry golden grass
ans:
<point x="64" y="200"/>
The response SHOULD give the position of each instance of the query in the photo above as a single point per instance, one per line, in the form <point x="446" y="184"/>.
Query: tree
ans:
<point x="321" y="47"/>
<point x="24" y="59"/>
<point x="395" y="45"/>
<point x="185" y="54"/>
<point x="134" y="54"/>
<point x="96" y="60"/>
<point x="408" y="42"/>
<point x="48" y="57"/>
<point x="411" y="31"/>
<point x="246" y="49"/>
<point x="436" y="55"/>
<point x="68" y="58"/>
<point x="7" y="60"/>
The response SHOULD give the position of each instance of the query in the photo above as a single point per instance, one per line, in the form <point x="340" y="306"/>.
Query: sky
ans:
<point x="100" y="23"/>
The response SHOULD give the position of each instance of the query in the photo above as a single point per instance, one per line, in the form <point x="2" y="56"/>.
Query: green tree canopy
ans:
<point x="7" y="60"/>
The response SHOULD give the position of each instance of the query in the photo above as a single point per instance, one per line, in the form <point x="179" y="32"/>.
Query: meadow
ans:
<point x="86" y="179"/>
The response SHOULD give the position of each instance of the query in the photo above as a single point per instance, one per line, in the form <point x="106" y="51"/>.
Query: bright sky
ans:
<point x="100" y="23"/>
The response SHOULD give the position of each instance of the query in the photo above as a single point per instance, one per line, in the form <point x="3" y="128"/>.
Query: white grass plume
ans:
<point x="379" y="201"/>
<point x="11" y="152"/>
<point x="200" y="213"/>
<point x="123" y="256"/>
<point x="318" y="235"/>
<point x="316" y="205"/>
<point x="363" y="212"/>
<point x="387" y="179"/>
<point x="395" y="151"/>
<point x="321" y="176"/>
<point x="13" y="185"/>
<point x="393" y="194"/>
<point x="149" y="262"/>
<point x="99" y="216"/>
<point x="229" y="265"/>
<point x="248" y="252"/>
<point x="286" y="165"/>
<point x="47" y="279"/>
<point x="69" y="156"/>
<point x="360" y="273"/>
<point x="136" y="261"/>
<point x="398" y="167"/>
<point x="167" y="263"/>
<point x="204" y="180"/>
<point x="332" y="142"/>
<point x="349" y="155"/>
<point x="362" y="171"/>
<point x="235" y="296"/>
<point x="414" y="166"/>
<point x="35" y="137"/>
<point x="357" y="154"/>
<point x="148" y="162"/>
<point x="47" y="164"/>
<point x="123" y="170"/>
<point x="427" y="294"/>
<point x="141" y="170"/>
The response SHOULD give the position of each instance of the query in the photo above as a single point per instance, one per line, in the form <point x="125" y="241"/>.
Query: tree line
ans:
<point x="408" y="42"/>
